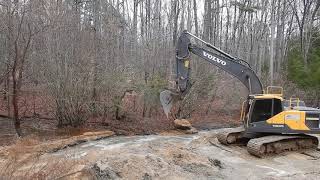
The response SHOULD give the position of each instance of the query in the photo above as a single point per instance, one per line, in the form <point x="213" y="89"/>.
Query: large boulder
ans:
<point x="182" y="124"/>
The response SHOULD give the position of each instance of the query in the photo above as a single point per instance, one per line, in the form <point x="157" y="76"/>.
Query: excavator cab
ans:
<point x="264" y="109"/>
<point x="269" y="114"/>
<point x="259" y="108"/>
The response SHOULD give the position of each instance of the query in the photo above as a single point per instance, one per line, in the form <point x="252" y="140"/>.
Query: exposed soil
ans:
<point x="198" y="156"/>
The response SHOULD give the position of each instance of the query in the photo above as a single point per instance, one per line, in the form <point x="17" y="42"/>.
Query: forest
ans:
<point x="104" y="62"/>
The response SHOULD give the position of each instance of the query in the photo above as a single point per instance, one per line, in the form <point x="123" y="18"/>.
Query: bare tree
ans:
<point x="272" y="33"/>
<point x="87" y="55"/>
<point x="305" y="12"/>
<point x="195" y="17"/>
<point x="175" y="15"/>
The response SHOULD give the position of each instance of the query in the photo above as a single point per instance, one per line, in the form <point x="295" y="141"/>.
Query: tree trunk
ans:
<point x="208" y="21"/>
<point x="16" y="119"/>
<point x="271" y="64"/>
<point x="135" y="21"/>
<point x="189" y="19"/>
<point x="182" y="24"/>
<point x="97" y="36"/>
<point x="195" y="17"/>
<point x="175" y="12"/>
<point x="226" y="39"/>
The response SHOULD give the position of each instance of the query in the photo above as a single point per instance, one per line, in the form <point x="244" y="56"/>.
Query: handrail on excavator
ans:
<point x="276" y="90"/>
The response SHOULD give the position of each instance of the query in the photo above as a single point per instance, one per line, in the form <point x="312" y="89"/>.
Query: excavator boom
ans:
<point x="234" y="66"/>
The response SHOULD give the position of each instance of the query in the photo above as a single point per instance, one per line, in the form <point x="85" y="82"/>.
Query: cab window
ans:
<point x="264" y="109"/>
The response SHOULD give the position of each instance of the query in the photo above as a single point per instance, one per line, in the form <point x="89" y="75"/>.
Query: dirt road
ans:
<point x="171" y="157"/>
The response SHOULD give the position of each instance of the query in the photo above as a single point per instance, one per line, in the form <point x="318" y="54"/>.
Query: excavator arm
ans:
<point x="236" y="67"/>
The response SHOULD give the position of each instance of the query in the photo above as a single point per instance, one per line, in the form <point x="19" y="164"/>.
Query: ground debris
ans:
<point x="315" y="155"/>
<point x="147" y="177"/>
<point x="84" y="174"/>
<point x="216" y="163"/>
<point x="213" y="142"/>
<point x="192" y="130"/>
<point x="102" y="170"/>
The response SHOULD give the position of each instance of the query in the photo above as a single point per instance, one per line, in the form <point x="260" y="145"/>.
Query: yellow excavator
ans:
<point x="271" y="124"/>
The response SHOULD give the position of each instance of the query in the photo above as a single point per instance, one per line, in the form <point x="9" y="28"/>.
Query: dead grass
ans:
<point x="32" y="144"/>
<point x="24" y="159"/>
<point x="36" y="167"/>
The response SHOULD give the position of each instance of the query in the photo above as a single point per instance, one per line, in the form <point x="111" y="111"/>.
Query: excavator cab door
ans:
<point x="263" y="109"/>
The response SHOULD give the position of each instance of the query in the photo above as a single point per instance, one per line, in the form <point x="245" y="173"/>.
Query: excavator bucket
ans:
<point x="166" y="99"/>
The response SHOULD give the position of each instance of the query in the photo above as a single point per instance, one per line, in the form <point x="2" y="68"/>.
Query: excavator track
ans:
<point x="276" y="144"/>
<point x="231" y="136"/>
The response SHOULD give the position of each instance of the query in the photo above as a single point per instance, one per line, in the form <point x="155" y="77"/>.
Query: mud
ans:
<point x="196" y="156"/>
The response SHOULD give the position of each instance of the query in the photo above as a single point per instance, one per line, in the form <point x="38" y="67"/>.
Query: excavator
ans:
<point x="269" y="126"/>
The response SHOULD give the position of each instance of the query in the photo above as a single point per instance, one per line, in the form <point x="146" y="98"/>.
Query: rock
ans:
<point x="191" y="131"/>
<point x="182" y="124"/>
<point x="147" y="177"/>
<point x="216" y="163"/>
<point x="102" y="170"/>
<point x="98" y="133"/>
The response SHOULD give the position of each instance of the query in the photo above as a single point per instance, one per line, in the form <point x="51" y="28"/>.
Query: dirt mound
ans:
<point x="31" y="145"/>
